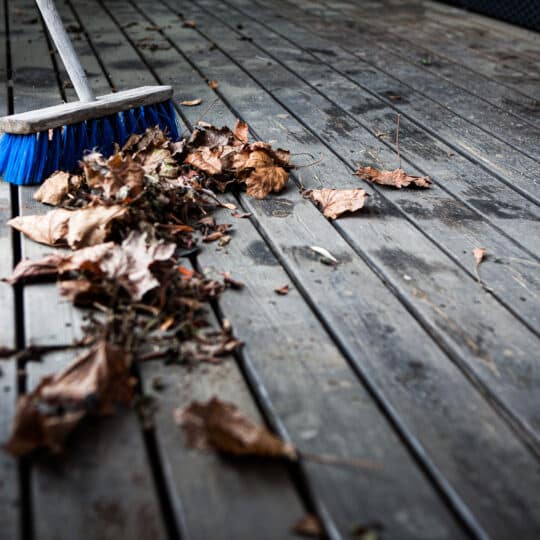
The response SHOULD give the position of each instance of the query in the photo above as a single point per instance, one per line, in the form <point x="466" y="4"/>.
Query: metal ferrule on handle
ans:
<point x="65" y="49"/>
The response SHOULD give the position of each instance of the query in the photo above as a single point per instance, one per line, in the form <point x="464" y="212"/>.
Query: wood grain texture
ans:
<point x="450" y="223"/>
<point x="516" y="169"/>
<point x="453" y="309"/>
<point x="280" y="222"/>
<point x="103" y="486"/>
<point x="205" y="489"/>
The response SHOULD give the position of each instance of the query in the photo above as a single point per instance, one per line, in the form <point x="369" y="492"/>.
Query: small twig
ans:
<point x="334" y="460"/>
<point x="297" y="167"/>
<point x="397" y="141"/>
<point x="205" y="112"/>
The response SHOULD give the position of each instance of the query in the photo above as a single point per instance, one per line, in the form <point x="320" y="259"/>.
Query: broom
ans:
<point x="37" y="143"/>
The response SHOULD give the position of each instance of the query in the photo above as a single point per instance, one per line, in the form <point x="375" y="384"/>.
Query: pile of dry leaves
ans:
<point x="129" y="220"/>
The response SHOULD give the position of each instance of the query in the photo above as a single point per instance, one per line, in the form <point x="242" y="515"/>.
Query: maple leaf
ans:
<point x="54" y="190"/>
<point x="309" y="525"/>
<point x="92" y="384"/>
<point x="219" y="425"/>
<point x="266" y="176"/>
<point x="206" y="159"/>
<point x="334" y="202"/>
<point x="396" y="178"/>
<point x="75" y="228"/>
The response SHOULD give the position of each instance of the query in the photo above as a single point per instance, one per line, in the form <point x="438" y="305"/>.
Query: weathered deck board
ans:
<point x="205" y="489"/>
<point x="396" y="355"/>
<point x="178" y="35"/>
<point x="452" y="49"/>
<point x="313" y="58"/>
<point x="86" y="493"/>
<point x="448" y="222"/>
<point x="422" y="277"/>
<point x="384" y="77"/>
<point x="408" y="42"/>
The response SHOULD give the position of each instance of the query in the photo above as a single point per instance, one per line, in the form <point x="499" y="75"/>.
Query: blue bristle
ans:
<point x="130" y="121"/>
<point x="107" y="137"/>
<point x="152" y="116"/>
<point x="67" y="159"/>
<point x="169" y="119"/>
<point x="120" y="132"/>
<point x="28" y="159"/>
<point x="53" y="153"/>
<point x="92" y="126"/>
<point x="40" y="158"/>
<point x="143" y="119"/>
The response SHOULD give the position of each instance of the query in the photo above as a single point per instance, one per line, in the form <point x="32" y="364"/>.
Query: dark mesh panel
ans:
<point x="522" y="12"/>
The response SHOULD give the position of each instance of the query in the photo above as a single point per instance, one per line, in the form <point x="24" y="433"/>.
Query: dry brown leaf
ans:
<point x="206" y="159"/>
<point x="59" y="263"/>
<point x="130" y="264"/>
<point x="479" y="254"/>
<point x="241" y="132"/>
<point x="213" y="84"/>
<point x="282" y="290"/>
<point x="188" y="23"/>
<point x="266" y="177"/>
<point x="334" y="202"/>
<point x="219" y="425"/>
<point x="191" y="102"/>
<point x="93" y="384"/>
<point x="54" y="189"/>
<point x="309" y="525"/>
<point x="75" y="228"/>
<point x="396" y="178"/>
<point x="241" y="215"/>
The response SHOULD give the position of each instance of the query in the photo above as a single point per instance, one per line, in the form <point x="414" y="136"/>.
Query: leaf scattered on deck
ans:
<point x="220" y="426"/>
<point x="335" y="202"/>
<point x="397" y="178"/>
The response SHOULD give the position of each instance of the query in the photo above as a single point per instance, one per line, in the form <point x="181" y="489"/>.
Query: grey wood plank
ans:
<point x="103" y="486"/>
<point x="405" y="41"/>
<point x="10" y="490"/>
<point x="517" y="170"/>
<point x="301" y="221"/>
<point x="458" y="233"/>
<point x="206" y="490"/>
<point x="393" y="54"/>
<point x="492" y="67"/>
<point x="424" y="279"/>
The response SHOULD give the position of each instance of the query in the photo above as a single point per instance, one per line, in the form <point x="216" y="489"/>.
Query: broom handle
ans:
<point x="65" y="49"/>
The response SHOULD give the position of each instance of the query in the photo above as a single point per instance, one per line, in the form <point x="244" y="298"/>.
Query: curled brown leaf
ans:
<point x="93" y="384"/>
<point x="334" y="202"/>
<point x="397" y="178"/>
<point x="219" y="425"/>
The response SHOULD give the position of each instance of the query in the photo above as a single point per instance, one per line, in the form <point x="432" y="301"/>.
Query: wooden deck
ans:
<point x="397" y="355"/>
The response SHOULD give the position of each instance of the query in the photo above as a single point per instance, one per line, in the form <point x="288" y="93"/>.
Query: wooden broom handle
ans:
<point x="65" y="49"/>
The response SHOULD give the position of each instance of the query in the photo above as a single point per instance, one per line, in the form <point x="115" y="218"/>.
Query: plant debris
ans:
<point x="213" y="84"/>
<point x="282" y="290"/>
<point x="396" y="178"/>
<point x="129" y="220"/>
<point x="191" y="102"/>
<point x="479" y="254"/>
<point x="93" y="384"/>
<point x="335" y="202"/>
<point x="310" y="525"/>
<point x="218" y="425"/>
<point x="326" y="256"/>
